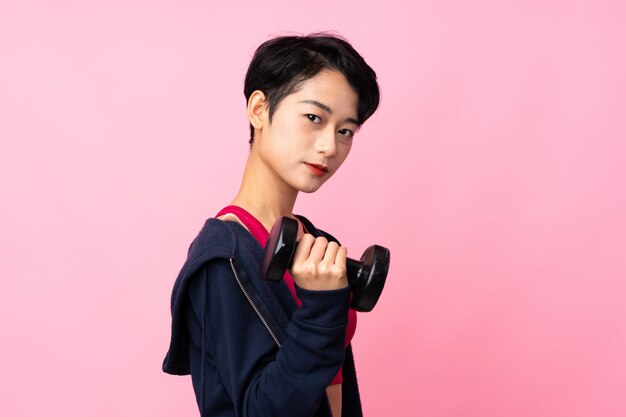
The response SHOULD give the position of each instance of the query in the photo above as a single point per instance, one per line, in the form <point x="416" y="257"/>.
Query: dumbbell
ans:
<point x="367" y="276"/>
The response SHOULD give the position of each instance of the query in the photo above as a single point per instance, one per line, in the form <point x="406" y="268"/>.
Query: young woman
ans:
<point x="255" y="347"/>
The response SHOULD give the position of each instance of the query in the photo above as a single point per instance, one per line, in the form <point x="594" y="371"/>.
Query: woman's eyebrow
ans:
<point x="318" y="104"/>
<point x="327" y="109"/>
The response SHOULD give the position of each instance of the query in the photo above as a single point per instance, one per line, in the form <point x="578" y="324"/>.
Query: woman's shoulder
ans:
<point x="217" y="238"/>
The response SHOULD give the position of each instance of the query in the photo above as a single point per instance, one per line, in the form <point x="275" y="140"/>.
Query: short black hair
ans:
<point x="280" y="65"/>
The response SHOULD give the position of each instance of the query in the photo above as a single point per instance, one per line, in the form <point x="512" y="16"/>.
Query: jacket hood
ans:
<point x="215" y="240"/>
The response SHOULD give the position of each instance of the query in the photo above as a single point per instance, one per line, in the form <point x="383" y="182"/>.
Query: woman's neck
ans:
<point x="263" y="194"/>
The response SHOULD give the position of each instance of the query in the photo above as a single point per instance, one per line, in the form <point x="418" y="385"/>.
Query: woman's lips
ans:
<point x="318" y="170"/>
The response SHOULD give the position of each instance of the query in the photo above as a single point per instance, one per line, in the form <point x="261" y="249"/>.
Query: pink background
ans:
<point x="494" y="171"/>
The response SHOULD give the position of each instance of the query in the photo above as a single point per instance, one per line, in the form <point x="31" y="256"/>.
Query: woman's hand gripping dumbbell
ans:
<point x="367" y="276"/>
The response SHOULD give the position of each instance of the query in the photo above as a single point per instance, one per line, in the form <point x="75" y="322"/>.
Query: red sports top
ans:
<point x="261" y="235"/>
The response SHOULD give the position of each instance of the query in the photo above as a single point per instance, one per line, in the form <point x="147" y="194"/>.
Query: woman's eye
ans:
<point x="314" y="118"/>
<point x="346" y="132"/>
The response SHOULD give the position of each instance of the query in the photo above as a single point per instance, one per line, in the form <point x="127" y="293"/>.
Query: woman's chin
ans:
<point x="310" y="188"/>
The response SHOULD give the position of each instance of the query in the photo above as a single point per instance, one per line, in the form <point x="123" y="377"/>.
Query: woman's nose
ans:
<point x="325" y="143"/>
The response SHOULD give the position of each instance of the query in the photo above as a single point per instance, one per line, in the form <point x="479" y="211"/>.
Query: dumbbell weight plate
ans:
<point x="372" y="274"/>
<point x="276" y="259"/>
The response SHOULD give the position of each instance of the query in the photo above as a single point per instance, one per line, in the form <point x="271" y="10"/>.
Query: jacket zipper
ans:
<point x="256" y="310"/>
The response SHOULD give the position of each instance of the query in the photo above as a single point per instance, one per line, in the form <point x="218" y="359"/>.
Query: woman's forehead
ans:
<point x="327" y="90"/>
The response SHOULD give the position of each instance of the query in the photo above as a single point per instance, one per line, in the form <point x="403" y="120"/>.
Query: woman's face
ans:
<point x="311" y="132"/>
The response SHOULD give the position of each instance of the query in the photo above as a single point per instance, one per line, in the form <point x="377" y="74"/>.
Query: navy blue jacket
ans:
<point x="262" y="355"/>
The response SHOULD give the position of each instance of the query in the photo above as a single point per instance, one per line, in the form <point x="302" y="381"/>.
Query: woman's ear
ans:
<point x="257" y="109"/>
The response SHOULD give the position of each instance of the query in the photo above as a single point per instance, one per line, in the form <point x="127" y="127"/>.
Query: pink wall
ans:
<point x="495" y="171"/>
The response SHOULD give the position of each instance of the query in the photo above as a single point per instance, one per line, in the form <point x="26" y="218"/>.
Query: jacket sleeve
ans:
<point x="260" y="378"/>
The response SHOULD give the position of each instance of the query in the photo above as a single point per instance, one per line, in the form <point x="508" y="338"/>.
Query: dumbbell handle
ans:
<point x="353" y="268"/>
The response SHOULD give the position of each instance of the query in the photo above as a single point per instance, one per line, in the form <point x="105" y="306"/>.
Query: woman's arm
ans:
<point x="261" y="379"/>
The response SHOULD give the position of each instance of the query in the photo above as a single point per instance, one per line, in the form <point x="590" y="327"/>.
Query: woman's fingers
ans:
<point x="318" y="250"/>
<point x="303" y="248"/>
<point x="319" y="264"/>
<point x="342" y="256"/>
<point x="331" y="253"/>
